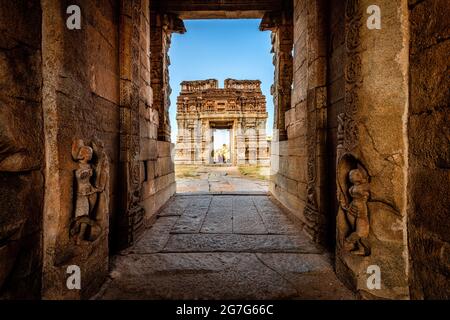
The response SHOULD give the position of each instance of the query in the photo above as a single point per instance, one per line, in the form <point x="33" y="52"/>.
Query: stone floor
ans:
<point x="220" y="179"/>
<point x="223" y="247"/>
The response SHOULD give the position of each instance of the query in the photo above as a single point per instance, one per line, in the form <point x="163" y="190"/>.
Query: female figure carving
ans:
<point x="357" y="213"/>
<point x="86" y="193"/>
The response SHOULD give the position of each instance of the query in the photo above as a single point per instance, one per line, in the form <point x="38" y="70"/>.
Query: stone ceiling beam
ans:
<point x="216" y="9"/>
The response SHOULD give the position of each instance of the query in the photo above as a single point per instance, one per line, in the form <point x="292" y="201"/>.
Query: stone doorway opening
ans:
<point x="221" y="125"/>
<point x="222" y="153"/>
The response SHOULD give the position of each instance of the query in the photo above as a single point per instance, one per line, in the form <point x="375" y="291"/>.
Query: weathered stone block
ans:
<point x="291" y="202"/>
<point x="163" y="181"/>
<point x="297" y="146"/>
<point x="149" y="204"/>
<point x="164" y="149"/>
<point x="428" y="27"/>
<point x="298" y="129"/>
<point x="317" y="73"/>
<point x="163" y="195"/>
<point x="163" y="166"/>
<point x="148" y="149"/>
<point x="150" y="169"/>
<point x="148" y="188"/>
<point x="429" y="85"/>
<point x="297" y="169"/>
<point x="336" y="91"/>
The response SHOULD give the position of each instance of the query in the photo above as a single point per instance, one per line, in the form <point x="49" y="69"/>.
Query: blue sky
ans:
<point x="221" y="49"/>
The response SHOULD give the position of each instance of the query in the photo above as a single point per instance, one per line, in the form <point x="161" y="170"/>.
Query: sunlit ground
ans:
<point x="215" y="178"/>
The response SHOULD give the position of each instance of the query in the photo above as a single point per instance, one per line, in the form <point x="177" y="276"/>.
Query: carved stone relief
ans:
<point x="130" y="83"/>
<point x="352" y="179"/>
<point x="353" y="216"/>
<point x="91" y="191"/>
<point x="313" y="211"/>
<point x="352" y="73"/>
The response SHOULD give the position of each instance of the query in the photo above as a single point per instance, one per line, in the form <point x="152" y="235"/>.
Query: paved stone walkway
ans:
<point x="223" y="247"/>
<point x="220" y="180"/>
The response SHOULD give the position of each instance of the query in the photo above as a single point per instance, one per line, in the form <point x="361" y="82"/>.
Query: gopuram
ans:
<point x="203" y="107"/>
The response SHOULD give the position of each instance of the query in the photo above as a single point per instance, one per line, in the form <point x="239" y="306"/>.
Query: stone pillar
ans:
<point x="161" y="29"/>
<point x="183" y="136"/>
<point x="371" y="151"/>
<point x="316" y="121"/>
<point x="210" y="144"/>
<point x="197" y="143"/>
<point x="240" y="144"/>
<point x="191" y="147"/>
<point x="306" y="121"/>
<point x="179" y="146"/>
<point x="263" y="157"/>
<point x="131" y="224"/>
<point x="252" y="146"/>
<point x="281" y="26"/>
<point x="206" y="142"/>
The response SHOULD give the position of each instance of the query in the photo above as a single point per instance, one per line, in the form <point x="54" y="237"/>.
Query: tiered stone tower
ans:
<point x="240" y="107"/>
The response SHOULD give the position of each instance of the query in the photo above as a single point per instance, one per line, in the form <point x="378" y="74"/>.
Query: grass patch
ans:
<point x="186" y="172"/>
<point x="255" y="172"/>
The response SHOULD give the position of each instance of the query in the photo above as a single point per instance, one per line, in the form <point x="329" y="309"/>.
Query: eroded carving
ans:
<point x="91" y="190"/>
<point x="353" y="215"/>
<point x="353" y="74"/>
<point x="352" y="178"/>
<point x="132" y="92"/>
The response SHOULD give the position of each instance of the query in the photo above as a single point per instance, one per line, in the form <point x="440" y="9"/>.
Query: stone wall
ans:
<point x="21" y="150"/>
<point x="286" y="146"/>
<point x="97" y="88"/>
<point x="80" y="106"/>
<point x="159" y="182"/>
<point x="81" y="101"/>
<point x="157" y="168"/>
<point x="344" y="121"/>
<point x="429" y="153"/>
<point x="297" y="179"/>
<point x="139" y="124"/>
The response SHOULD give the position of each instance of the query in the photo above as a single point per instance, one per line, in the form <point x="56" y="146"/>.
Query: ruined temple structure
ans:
<point x="360" y="154"/>
<point x="240" y="107"/>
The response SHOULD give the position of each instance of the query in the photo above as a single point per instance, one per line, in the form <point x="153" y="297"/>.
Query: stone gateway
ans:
<point x="203" y="107"/>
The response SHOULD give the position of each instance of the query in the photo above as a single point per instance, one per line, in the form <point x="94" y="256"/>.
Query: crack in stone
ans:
<point x="279" y="273"/>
